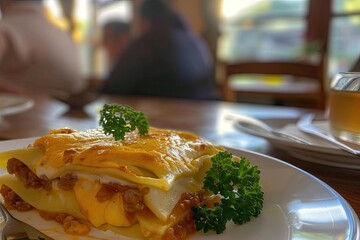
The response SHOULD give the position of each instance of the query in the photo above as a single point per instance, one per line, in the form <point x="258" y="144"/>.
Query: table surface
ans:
<point x="205" y="118"/>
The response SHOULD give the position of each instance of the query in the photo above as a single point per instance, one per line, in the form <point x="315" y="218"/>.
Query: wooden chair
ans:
<point x="296" y="93"/>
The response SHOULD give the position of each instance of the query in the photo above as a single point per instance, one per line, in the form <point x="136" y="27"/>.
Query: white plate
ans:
<point x="297" y="206"/>
<point x="319" y="151"/>
<point x="14" y="103"/>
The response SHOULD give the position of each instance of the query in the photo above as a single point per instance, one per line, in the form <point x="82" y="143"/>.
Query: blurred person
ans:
<point x="167" y="59"/>
<point x="115" y="36"/>
<point x="35" y="55"/>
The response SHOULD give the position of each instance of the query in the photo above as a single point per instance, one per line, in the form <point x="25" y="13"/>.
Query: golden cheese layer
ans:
<point x="155" y="159"/>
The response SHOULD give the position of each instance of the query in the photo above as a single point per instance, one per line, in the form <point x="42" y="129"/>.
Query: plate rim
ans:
<point x="346" y="206"/>
<point x="26" y="104"/>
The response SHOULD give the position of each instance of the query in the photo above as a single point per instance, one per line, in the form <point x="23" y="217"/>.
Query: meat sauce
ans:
<point x="133" y="201"/>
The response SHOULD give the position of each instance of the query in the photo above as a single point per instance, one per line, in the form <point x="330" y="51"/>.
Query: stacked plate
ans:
<point x="312" y="149"/>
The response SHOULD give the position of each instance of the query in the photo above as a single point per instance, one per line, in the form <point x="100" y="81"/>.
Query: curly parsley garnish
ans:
<point x="118" y="120"/>
<point x="237" y="183"/>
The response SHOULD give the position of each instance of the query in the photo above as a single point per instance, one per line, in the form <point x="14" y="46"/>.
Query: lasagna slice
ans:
<point x="86" y="179"/>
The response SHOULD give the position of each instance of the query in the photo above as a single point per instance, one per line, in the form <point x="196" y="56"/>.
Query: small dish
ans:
<point x="76" y="101"/>
<point x="318" y="151"/>
<point x="305" y="125"/>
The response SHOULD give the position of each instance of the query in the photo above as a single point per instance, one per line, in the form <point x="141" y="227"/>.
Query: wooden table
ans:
<point x="205" y="118"/>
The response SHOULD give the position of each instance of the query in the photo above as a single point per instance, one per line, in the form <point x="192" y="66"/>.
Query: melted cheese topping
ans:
<point x="155" y="159"/>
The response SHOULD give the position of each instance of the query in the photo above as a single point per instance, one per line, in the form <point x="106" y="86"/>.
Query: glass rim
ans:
<point x="346" y="81"/>
<point x="348" y="73"/>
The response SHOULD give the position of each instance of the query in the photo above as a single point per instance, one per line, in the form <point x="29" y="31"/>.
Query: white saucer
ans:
<point x="318" y="151"/>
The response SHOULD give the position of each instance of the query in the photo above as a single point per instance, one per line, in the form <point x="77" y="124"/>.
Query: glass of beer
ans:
<point x="344" y="107"/>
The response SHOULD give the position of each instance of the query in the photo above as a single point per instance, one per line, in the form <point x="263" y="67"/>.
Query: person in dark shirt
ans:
<point x="115" y="36"/>
<point x="167" y="59"/>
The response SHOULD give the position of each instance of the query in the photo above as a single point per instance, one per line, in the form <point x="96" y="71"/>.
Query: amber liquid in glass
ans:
<point x="344" y="114"/>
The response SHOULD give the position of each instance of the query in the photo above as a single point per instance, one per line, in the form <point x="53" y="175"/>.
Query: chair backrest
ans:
<point x="317" y="28"/>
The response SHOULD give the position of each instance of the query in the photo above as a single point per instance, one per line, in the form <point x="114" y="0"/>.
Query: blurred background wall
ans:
<point x="234" y="30"/>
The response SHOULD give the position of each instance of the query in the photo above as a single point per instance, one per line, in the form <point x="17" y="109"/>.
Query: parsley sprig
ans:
<point x="118" y="120"/>
<point x="237" y="183"/>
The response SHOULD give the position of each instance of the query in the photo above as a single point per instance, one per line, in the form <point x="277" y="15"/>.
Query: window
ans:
<point x="87" y="18"/>
<point x="262" y="29"/>
<point x="275" y="29"/>
<point x="344" y="48"/>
